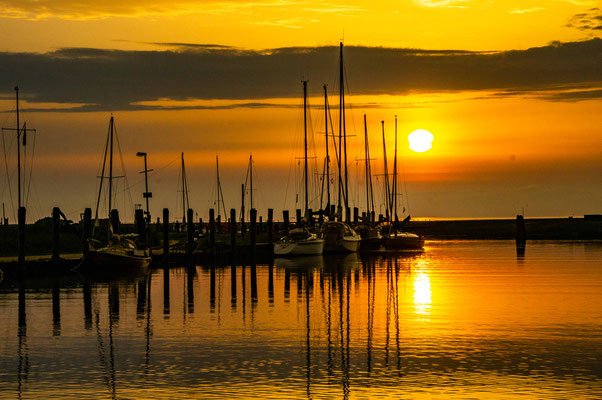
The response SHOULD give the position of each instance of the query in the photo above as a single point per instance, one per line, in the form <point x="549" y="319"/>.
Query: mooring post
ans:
<point x="380" y="218"/>
<point x="87" y="230"/>
<point x="356" y="215"/>
<point x="233" y="234"/>
<point x="521" y="234"/>
<point x="347" y="214"/>
<point x="253" y="233"/>
<point x="21" y="234"/>
<point x="270" y="227"/>
<point x="140" y="227"/>
<point x="285" y="221"/>
<point x="298" y="216"/>
<point x="373" y="217"/>
<point x="165" y="235"/>
<point x="115" y="221"/>
<point x="260" y="229"/>
<point x="310" y="216"/>
<point x="201" y="226"/>
<point x="190" y="232"/>
<point x="212" y="231"/>
<point x="218" y="221"/>
<point x="321" y="217"/>
<point x="56" y="220"/>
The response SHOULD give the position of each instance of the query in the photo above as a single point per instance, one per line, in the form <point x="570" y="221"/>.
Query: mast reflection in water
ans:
<point x="459" y="320"/>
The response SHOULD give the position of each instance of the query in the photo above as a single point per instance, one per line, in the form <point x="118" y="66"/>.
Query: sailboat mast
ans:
<point x="387" y="199"/>
<point x="327" y="156"/>
<point x="183" y="191"/>
<point x="251" y="179"/>
<point x="394" y="216"/>
<point x="305" y="175"/>
<point x="111" y="129"/>
<point x="218" y="185"/>
<point x="367" y="152"/>
<point x="342" y="125"/>
<point x="18" y="147"/>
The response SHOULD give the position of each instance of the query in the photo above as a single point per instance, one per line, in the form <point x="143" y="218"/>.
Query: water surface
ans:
<point x="459" y="320"/>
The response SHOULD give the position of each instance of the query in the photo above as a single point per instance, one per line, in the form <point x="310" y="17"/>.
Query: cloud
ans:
<point x="591" y="21"/>
<point x="526" y="10"/>
<point x="93" y="9"/>
<point x="103" y="80"/>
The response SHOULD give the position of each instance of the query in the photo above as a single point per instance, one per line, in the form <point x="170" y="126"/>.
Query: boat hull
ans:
<point x="300" y="248"/>
<point x="404" y="242"/>
<point x="344" y="245"/>
<point x="108" y="260"/>
<point x="371" y="244"/>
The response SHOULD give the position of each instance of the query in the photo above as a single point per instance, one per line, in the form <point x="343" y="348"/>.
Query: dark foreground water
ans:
<point x="461" y="320"/>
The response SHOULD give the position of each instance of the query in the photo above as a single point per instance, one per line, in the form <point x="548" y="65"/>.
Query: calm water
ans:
<point x="461" y="320"/>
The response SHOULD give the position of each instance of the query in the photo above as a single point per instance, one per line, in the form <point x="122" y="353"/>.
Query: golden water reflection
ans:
<point x="316" y="327"/>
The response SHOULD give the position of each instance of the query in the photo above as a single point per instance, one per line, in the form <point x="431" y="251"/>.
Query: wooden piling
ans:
<point x="201" y="226"/>
<point x="190" y="232"/>
<point x="521" y="234"/>
<point x="233" y="234"/>
<point x="140" y="227"/>
<point x="298" y="216"/>
<point x="115" y="221"/>
<point x="87" y="230"/>
<point x="21" y="234"/>
<point x="218" y="221"/>
<point x="310" y="216"/>
<point x="212" y="231"/>
<point x="56" y="221"/>
<point x="165" y="235"/>
<point x="347" y="214"/>
<point x="285" y="220"/>
<point x="356" y="215"/>
<point x="270" y="227"/>
<point x="253" y="233"/>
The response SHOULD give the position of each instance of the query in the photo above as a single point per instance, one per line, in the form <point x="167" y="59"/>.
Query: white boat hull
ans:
<point x="345" y="245"/>
<point x="303" y="247"/>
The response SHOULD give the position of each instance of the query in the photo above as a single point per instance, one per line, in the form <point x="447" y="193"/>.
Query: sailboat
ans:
<point x="121" y="251"/>
<point x="338" y="235"/>
<point x="370" y="234"/>
<point x="300" y="241"/>
<point x="397" y="239"/>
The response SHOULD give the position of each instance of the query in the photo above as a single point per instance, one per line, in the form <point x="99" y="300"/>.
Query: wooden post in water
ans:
<point x="233" y="234"/>
<point x="218" y="221"/>
<point x="87" y="230"/>
<point x="165" y="235"/>
<point x="212" y="231"/>
<point x="356" y="215"/>
<point x="348" y="215"/>
<point x="140" y="227"/>
<point x="201" y="226"/>
<point x="253" y="234"/>
<point x="260" y="229"/>
<point x="298" y="216"/>
<point x="310" y="215"/>
<point x="285" y="221"/>
<point x="521" y="234"/>
<point x="271" y="227"/>
<point x="56" y="221"/>
<point x="373" y="217"/>
<point x="115" y="221"/>
<point x="190" y="232"/>
<point x="321" y="217"/>
<point x="21" y="234"/>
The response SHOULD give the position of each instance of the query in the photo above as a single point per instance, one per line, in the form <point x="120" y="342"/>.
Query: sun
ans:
<point x="420" y="140"/>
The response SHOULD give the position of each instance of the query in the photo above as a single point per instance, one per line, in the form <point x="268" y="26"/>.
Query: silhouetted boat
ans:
<point x="340" y="238"/>
<point x="121" y="251"/>
<point x="299" y="241"/>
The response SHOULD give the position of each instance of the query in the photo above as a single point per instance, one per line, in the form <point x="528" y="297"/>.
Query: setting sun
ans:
<point x="420" y="140"/>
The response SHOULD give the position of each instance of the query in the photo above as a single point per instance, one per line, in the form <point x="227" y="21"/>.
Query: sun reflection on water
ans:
<point x="422" y="292"/>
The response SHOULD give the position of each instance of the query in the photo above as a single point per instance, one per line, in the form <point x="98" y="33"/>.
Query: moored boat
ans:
<point x="120" y="252"/>
<point x="403" y="241"/>
<point x="299" y="241"/>
<point x="340" y="238"/>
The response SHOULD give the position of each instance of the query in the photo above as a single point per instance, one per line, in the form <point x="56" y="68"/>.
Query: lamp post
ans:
<point x="147" y="195"/>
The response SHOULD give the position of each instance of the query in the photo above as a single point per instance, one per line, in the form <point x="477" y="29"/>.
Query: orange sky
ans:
<point x="512" y="138"/>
